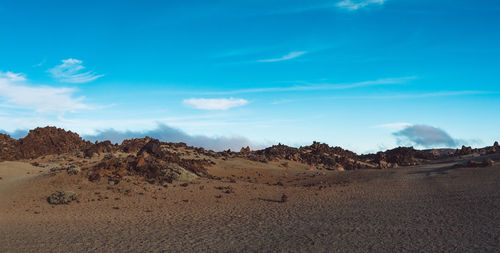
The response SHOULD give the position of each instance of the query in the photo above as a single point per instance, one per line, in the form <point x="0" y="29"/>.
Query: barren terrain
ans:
<point x="422" y="208"/>
<point x="59" y="193"/>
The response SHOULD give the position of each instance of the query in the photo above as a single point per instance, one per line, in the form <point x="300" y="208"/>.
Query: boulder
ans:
<point x="61" y="197"/>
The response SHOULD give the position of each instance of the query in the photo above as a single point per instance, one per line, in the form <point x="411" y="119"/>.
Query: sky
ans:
<point x="366" y="75"/>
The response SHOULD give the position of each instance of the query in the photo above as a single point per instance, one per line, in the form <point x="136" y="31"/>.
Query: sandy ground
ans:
<point x="425" y="208"/>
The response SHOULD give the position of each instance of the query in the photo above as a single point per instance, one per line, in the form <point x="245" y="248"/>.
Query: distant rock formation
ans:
<point x="160" y="162"/>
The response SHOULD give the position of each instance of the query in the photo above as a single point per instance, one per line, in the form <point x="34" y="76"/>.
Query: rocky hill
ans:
<point x="39" y="142"/>
<point x="161" y="162"/>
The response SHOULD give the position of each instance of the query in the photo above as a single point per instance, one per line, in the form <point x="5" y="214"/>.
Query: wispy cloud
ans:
<point x="286" y="57"/>
<point x="15" y="93"/>
<point x="308" y="86"/>
<point x="214" y="103"/>
<point x="394" y="96"/>
<point x="70" y="71"/>
<point x="10" y="76"/>
<point x="354" y="5"/>
<point x="309" y="6"/>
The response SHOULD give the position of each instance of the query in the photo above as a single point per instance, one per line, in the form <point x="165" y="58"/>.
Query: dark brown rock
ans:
<point x="48" y="141"/>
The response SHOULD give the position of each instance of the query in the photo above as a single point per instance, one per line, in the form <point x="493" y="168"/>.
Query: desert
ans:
<point x="150" y="196"/>
<point x="249" y="126"/>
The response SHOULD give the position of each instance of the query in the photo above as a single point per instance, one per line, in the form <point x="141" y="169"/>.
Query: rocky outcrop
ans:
<point x="47" y="141"/>
<point x="494" y="149"/>
<point x="405" y="156"/>
<point x="464" y="151"/>
<point x="99" y="148"/>
<point x="154" y="161"/>
<point x="134" y="145"/>
<point x="159" y="164"/>
<point x="245" y="150"/>
<point x="40" y="142"/>
<point x="319" y="155"/>
<point x="7" y="147"/>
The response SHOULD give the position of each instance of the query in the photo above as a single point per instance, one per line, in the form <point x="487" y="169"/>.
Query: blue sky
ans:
<point x="361" y="74"/>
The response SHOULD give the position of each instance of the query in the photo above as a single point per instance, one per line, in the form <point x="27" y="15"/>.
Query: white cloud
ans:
<point x="289" y="56"/>
<point x="15" y="93"/>
<point x="358" y="4"/>
<point x="12" y="76"/>
<point x="70" y="72"/>
<point x="214" y="103"/>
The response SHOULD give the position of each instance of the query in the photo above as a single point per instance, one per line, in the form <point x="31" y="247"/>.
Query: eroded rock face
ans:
<point x="61" y="197"/>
